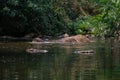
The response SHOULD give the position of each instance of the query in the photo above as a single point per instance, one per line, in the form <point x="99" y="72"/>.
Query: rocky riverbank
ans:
<point x="62" y="39"/>
<point x="67" y="39"/>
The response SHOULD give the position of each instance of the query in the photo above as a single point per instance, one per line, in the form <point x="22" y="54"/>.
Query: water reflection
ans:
<point x="60" y="63"/>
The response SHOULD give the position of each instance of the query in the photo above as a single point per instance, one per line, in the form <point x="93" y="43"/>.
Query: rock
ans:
<point x="66" y="35"/>
<point x="63" y="36"/>
<point x="47" y="37"/>
<point x="71" y="39"/>
<point x="85" y="52"/>
<point x="75" y="39"/>
<point x="32" y="50"/>
<point x="37" y="40"/>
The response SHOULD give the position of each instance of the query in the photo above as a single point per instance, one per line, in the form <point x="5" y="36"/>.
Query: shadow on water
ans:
<point x="60" y="62"/>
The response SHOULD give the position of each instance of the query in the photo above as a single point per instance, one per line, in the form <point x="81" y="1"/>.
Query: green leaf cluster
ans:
<point x="104" y="24"/>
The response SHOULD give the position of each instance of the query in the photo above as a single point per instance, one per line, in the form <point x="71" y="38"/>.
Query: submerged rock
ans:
<point x="32" y="50"/>
<point x="85" y="52"/>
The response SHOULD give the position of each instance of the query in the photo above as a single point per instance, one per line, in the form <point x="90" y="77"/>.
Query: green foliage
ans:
<point x="22" y="17"/>
<point x="79" y="27"/>
<point x="111" y="17"/>
<point x="53" y="17"/>
<point x="105" y="23"/>
<point x="93" y="25"/>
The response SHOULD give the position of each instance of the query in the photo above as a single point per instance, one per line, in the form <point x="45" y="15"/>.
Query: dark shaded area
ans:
<point x="18" y="18"/>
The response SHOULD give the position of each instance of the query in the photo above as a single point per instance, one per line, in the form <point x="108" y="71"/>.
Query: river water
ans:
<point x="60" y="62"/>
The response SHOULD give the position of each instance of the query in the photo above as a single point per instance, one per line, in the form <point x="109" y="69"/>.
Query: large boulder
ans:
<point x="75" y="39"/>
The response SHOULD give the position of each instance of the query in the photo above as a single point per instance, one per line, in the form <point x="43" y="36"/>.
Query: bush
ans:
<point x="22" y="17"/>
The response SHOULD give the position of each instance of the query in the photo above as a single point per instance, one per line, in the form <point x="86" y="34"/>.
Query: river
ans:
<point x="61" y="62"/>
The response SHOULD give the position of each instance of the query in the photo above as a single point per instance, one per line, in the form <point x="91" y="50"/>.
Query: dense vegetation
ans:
<point x="56" y="17"/>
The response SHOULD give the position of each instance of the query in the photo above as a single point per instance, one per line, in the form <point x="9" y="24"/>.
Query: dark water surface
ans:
<point x="60" y="63"/>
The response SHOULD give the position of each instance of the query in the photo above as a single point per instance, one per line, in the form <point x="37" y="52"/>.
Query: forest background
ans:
<point x="56" y="17"/>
